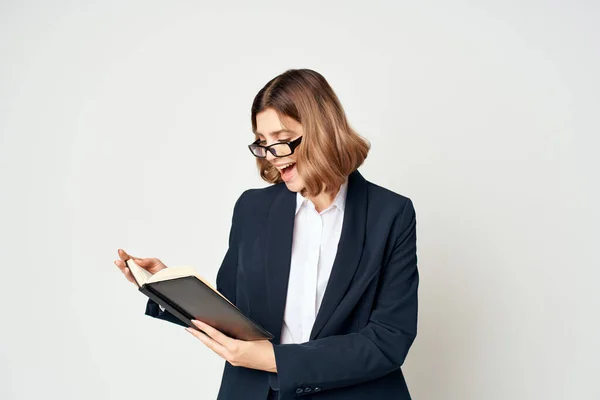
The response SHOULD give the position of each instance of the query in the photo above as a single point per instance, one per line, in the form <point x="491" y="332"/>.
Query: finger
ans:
<point x="214" y="334"/>
<point x="124" y="268"/>
<point x="125" y="271"/>
<point x="121" y="265"/>
<point x="145" y="263"/>
<point x="129" y="276"/>
<point x="209" y="342"/>
<point x="123" y="255"/>
<point x="142" y="262"/>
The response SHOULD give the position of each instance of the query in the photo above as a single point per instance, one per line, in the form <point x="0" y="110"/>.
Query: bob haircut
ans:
<point x="330" y="148"/>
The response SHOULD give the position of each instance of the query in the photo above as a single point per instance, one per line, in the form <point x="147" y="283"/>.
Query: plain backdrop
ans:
<point x="124" y="124"/>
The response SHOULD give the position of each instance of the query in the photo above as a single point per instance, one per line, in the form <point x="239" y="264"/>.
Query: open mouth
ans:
<point x="288" y="172"/>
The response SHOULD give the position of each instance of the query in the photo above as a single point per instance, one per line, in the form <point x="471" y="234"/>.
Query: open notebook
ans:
<point x="186" y="295"/>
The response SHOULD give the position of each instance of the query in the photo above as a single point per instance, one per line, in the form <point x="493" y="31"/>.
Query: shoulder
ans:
<point x="388" y="201"/>
<point x="257" y="200"/>
<point x="391" y="210"/>
<point x="259" y="197"/>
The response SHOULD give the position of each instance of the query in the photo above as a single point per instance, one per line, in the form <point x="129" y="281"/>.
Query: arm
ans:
<point x="226" y="276"/>
<point x="377" y="349"/>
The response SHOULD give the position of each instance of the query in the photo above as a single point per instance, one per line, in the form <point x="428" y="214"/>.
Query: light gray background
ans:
<point x="485" y="114"/>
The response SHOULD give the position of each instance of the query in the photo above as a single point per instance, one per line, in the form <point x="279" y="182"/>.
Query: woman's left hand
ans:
<point x="258" y="354"/>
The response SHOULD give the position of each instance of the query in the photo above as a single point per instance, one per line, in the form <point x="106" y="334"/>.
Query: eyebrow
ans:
<point x="276" y="133"/>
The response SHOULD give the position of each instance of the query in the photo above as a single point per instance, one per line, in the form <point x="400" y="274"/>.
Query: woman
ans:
<point x="323" y="259"/>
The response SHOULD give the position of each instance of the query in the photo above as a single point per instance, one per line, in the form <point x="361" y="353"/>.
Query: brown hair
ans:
<point x="330" y="148"/>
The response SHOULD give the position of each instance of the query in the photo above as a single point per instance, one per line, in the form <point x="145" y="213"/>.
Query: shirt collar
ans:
<point x="339" y="201"/>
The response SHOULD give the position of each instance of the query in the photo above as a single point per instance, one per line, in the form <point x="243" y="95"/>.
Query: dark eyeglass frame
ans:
<point x="292" y="145"/>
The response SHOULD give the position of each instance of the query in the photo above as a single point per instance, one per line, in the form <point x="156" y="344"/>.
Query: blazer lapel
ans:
<point x="278" y="255"/>
<point x="349" y="250"/>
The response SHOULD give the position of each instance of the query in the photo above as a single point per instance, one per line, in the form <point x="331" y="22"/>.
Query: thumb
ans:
<point x="139" y="262"/>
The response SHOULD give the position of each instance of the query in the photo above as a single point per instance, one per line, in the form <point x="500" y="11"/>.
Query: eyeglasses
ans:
<point x="280" y="149"/>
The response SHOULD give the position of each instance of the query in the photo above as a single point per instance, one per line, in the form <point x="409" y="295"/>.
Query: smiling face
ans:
<point x="271" y="128"/>
<point x="299" y="103"/>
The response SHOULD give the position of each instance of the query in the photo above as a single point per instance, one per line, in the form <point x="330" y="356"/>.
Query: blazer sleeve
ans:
<point x="377" y="349"/>
<point x="226" y="277"/>
<point x="227" y="274"/>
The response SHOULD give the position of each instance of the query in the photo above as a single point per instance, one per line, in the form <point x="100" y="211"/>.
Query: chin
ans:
<point x="294" y="185"/>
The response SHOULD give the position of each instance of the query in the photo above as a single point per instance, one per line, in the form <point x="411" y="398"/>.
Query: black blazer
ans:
<point x="368" y="317"/>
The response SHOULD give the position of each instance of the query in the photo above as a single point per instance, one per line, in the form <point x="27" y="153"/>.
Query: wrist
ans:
<point x="272" y="360"/>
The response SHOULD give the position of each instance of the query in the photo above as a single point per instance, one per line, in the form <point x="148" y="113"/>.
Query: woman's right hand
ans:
<point x="152" y="265"/>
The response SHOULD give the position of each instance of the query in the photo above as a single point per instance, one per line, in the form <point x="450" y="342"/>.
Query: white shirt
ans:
<point x="314" y="246"/>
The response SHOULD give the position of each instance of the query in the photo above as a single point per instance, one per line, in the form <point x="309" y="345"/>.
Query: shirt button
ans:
<point x="299" y="390"/>
<point x="307" y="389"/>
<point x="317" y="389"/>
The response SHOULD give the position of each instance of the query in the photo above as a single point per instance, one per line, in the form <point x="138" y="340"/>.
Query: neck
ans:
<point x="323" y="199"/>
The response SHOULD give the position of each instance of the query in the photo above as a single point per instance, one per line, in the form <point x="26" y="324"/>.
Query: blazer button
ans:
<point x="307" y="389"/>
<point x="317" y="389"/>
<point x="299" y="390"/>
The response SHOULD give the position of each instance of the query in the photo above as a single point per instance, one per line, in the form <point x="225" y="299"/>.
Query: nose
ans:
<point x="270" y="156"/>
